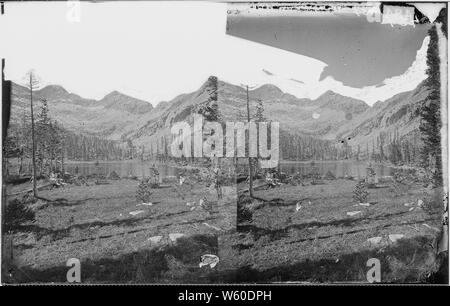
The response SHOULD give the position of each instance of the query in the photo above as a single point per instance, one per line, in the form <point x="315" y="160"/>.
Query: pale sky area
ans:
<point x="156" y="51"/>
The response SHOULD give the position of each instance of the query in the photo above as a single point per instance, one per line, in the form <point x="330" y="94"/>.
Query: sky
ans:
<point x="155" y="51"/>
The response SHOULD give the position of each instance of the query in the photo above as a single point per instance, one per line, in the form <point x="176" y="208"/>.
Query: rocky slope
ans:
<point x="105" y="118"/>
<point x="401" y="113"/>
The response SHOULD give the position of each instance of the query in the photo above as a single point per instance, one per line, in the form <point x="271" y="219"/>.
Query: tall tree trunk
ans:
<point x="250" y="165"/>
<point x="21" y="164"/>
<point x="62" y="162"/>
<point x="33" y="139"/>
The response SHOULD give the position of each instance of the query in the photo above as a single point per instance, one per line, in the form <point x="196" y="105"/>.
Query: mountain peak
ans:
<point x="338" y="102"/>
<point x="55" y="87"/>
<point x="328" y="94"/>
<point x="268" y="87"/>
<point x="114" y="93"/>
<point x="267" y="91"/>
<point x="122" y="102"/>
<point x="331" y="96"/>
<point x="53" y="90"/>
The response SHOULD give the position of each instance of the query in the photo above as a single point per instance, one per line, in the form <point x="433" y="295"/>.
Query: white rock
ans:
<point x="155" y="239"/>
<point x="395" y="237"/>
<point x="209" y="259"/>
<point x="145" y="204"/>
<point x="419" y="203"/>
<point x="431" y="227"/>
<point x="175" y="236"/>
<point x="411" y="209"/>
<point x="353" y="213"/>
<point x="375" y="240"/>
<point x="364" y="204"/>
<point x="408" y="204"/>
<point x="136" y="212"/>
<point x="212" y="226"/>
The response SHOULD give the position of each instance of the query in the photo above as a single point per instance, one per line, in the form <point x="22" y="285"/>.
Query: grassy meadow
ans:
<point x="307" y="231"/>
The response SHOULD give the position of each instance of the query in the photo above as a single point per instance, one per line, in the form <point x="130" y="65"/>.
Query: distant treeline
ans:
<point x="297" y="147"/>
<point x="393" y="147"/>
<point x="54" y="144"/>
<point x="384" y="147"/>
<point x="81" y="147"/>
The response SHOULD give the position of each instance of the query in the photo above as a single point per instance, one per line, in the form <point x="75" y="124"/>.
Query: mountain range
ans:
<point x="331" y="116"/>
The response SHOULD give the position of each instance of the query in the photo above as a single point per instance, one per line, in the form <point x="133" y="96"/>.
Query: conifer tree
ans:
<point x="144" y="192"/>
<point x="210" y="109"/>
<point x="431" y="153"/>
<point x="360" y="192"/>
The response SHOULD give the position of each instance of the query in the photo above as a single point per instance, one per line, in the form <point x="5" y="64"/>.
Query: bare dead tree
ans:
<point x="33" y="84"/>
<point x="250" y="164"/>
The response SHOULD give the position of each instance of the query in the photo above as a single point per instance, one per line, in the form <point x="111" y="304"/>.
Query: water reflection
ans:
<point x="337" y="168"/>
<point x="122" y="168"/>
<point x="142" y="168"/>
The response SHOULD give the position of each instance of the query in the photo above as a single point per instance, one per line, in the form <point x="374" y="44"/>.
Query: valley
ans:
<point x="132" y="212"/>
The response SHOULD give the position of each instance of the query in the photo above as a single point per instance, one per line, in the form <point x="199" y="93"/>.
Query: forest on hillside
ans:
<point x="54" y="144"/>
